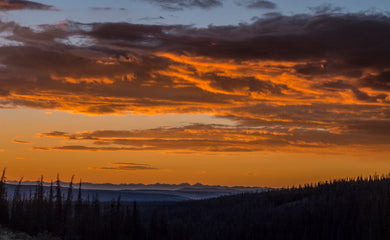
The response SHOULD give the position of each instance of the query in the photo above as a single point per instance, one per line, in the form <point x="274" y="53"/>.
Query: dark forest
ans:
<point x="339" y="209"/>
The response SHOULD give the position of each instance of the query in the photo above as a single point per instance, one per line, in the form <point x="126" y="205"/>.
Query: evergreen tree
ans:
<point x="136" y="229"/>
<point x="50" y="209"/>
<point x="38" y="210"/>
<point x="17" y="207"/>
<point x="58" y="209"/>
<point x="68" y="211"/>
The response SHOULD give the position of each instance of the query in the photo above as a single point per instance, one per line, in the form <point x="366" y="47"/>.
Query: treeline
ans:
<point x="342" y="209"/>
<point x="357" y="209"/>
<point x="57" y="213"/>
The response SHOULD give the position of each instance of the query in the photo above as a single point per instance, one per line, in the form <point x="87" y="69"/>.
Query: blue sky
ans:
<point x="141" y="11"/>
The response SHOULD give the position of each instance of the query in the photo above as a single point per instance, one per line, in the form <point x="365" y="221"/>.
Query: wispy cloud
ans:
<point x="220" y="138"/>
<point x="257" y="4"/>
<point x="106" y="9"/>
<point x="101" y="8"/>
<point x="125" y="166"/>
<point x="177" y="5"/>
<point x="326" y="9"/>
<point x="91" y="149"/>
<point x="21" y="142"/>
<point x="6" y="5"/>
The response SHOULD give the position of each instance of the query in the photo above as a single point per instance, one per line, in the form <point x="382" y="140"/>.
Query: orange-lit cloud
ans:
<point x="21" y="141"/>
<point x="286" y="81"/>
<point x="219" y="138"/>
<point x="125" y="166"/>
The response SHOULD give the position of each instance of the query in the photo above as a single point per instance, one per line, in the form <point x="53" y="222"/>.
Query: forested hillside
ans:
<point x="341" y="209"/>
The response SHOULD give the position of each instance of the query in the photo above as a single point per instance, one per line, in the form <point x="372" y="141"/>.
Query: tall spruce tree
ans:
<point x="59" y="211"/>
<point x="68" y="213"/>
<point x="17" y="207"/>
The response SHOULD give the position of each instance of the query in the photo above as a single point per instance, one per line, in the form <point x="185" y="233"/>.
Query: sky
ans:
<point x="219" y="92"/>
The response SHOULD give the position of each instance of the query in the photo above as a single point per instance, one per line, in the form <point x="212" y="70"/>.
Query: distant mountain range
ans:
<point x="141" y="192"/>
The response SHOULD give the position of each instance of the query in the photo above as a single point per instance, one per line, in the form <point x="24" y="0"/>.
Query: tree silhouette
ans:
<point x="343" y="209"/>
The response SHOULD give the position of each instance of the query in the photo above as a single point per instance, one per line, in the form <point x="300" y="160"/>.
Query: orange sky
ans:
<point x="232" y="105"/>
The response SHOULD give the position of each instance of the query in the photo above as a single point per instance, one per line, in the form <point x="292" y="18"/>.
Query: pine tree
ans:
<point x="39" y="192"/>
<point x="59" y="214"/>
<point x="50" y="209"/>
<point x="80" y="225"/>
<point x="17" y="207"/>
<point x="39" y="215"/>
<point x="135" y="223"/>
<point x="68" y="211"/>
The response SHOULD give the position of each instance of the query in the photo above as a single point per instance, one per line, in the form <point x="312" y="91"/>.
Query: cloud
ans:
<point x="380" y="81"/>
<point x="317" y="75"/>
<point x="125" y="166"/>
<point x="177" y="5"/>
<point x="359" y="94"/>
<point x="21" y="142"/>
<point x="194" y="138"/>
<point x="221" y="138"/>
<point x="6" y="5"/>
<point x="101" y="8"/>
<point x="151" y="18"/>
<point x="257" y="4"/>
<point x="106" y="9"/>
<point x="90" y="149"/>
<point x="325" y="9"/>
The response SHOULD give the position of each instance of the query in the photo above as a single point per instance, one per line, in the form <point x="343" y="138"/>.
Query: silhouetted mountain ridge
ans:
<point x="357" y="209"/>
<point x="140" y="192"/>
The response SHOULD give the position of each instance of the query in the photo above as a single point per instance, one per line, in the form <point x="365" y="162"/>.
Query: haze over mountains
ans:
<point x="142" y="193"/>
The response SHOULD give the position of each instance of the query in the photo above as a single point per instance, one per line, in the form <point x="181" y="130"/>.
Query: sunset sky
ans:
<point x="220" y="92"/>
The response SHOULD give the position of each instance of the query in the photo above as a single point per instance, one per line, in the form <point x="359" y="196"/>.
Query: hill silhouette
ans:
<point x="339" y="209"/>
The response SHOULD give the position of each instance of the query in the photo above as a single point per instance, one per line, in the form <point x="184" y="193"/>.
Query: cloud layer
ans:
<point x="176" y="5"/>
<point x="257" y="4"/>
<point x="7" y="5"/>
<point x="125" y="166"/>
<point x="220" y="138"/>
<point x="311" y="80"/>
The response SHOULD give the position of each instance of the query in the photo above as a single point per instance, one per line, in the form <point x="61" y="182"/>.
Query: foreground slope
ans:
<point x="344" y="209"/>
<point x="338" y="210"/>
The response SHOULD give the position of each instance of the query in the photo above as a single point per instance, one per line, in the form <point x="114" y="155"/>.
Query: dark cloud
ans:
<point x="101" y="8"/>
<point x="21" y="142"/>
<point x="328" y="44"/>
<point x="326" y="9"/>
<point x="220" y="138"/>
<point x="380" y="81"/>
<point x="53" y="134"/>
<point x="249" y="84"/>
<point x="106" y="9"/>
<point x="257" y="4"/>
<point x="92" y="149"/>
<point x="125" y="166"/>
<point x="368" y="127"/>
<point x="313" y="74"/>
<point x="151" y="18"/>
<point x="6" y="5"/>
<point x="359" y="94"/>
<point x="177" y="5"/>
